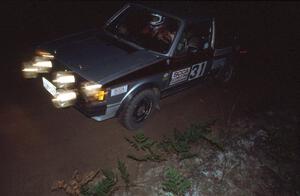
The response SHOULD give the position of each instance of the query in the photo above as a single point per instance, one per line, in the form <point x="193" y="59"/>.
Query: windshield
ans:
<point x="145" y="28"/>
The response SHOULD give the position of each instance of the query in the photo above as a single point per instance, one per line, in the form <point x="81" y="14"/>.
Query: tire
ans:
<point x="226" y="75"/>
<point x="139" y="109"/>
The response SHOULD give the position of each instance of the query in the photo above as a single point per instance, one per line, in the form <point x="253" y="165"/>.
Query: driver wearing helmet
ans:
<point x="154" y="24"/>
<point x="159" y="28"/>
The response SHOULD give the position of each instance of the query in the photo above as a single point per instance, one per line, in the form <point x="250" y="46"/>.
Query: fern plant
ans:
<point x="166" y="144"/>
<point x="124" y="173"/>
<point x="141" y="142"/>
<point x="102" y="188"/>
<point x="175" y="182"/>
<point x="180" y="143"/>
<point x="181" y="146"/>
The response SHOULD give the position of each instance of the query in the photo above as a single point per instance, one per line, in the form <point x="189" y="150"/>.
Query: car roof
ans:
<point x="176" y="11"/>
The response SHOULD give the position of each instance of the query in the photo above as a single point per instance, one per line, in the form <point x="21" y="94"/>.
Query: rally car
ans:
<point x="123" y="69"/>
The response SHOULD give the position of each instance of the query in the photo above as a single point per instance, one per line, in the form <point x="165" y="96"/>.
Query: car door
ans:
<point x="193" y="54"/>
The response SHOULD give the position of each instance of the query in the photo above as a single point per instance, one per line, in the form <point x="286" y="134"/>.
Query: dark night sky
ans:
<point x="269" y="30"/>
<point x="257" y="21"/>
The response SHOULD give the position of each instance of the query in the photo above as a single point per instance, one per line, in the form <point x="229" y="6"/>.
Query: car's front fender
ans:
<point x="135" y="90"/>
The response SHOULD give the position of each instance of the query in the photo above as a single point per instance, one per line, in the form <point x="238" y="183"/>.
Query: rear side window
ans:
<point x="196" y="35"/>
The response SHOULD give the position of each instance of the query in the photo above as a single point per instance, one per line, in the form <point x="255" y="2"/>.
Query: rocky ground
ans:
<point x="261" y="161"/>
<point x="259" y="156"/>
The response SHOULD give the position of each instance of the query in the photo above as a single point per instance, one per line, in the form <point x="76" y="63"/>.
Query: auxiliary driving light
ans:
<point x="42" y="64"/>
<point x="64" y="79"/>
<point x="45" y="54"/>
<point x="29" y="71"/>
<point x="39" y="64"/>
<point x="64" y="98"/>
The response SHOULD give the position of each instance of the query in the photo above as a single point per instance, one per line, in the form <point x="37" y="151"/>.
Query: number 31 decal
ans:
<point x="197" y="70"/>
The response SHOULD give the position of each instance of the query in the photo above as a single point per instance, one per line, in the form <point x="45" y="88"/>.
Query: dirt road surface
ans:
<point x="40" y="144"/>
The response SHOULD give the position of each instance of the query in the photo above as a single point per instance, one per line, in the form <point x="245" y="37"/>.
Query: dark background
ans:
<point x="268" y="30"/>
<point x="40" y="144"/>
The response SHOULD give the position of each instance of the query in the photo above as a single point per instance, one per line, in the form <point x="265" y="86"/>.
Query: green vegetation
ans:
<point x="175" y="182"/>
<point x="140" y="142"/>
<point x="146" y="149"/>
<point x="179" y="143"/>
<point x="148" y="146"/>
<point x="124" y="173"/>
<point x="102" y="188"/>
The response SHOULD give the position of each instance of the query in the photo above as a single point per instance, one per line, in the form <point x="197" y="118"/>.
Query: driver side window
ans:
<point x="195" y="38"/>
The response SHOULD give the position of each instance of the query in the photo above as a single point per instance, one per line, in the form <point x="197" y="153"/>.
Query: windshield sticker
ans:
<point x="180" y="76"/>
<point x="118" y="90"/>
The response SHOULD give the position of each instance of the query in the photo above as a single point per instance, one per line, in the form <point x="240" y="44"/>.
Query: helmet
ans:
<point x="156" y="19"/>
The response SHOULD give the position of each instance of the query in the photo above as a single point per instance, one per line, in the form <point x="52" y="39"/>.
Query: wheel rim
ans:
<point x="142" y="110"/>
<point x="228" y="74"/>
<point x="225" y="74"/>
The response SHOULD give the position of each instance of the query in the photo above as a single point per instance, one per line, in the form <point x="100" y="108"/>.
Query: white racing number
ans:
<point x="197" y="70"/>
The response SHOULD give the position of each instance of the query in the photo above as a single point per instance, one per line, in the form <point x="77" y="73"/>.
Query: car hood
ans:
<point x="98" y="57"/>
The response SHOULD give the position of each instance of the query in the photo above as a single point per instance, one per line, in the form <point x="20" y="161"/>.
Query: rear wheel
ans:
<point x="226" y="74"/>
<point x="139" y="109"/>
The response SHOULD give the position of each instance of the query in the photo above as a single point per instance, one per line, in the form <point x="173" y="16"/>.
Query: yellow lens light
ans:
<point x="100" y="95"/>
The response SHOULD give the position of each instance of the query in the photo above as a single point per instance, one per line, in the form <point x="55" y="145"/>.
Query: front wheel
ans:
<point x="139" y="109"/>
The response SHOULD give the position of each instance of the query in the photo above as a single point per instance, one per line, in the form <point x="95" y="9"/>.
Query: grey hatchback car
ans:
<point x="123" y="69"/>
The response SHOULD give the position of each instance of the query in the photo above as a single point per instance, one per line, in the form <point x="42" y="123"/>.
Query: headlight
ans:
<point x="89" y="87"/>
<point x="40" y="64"/>
<point x="93" y="91"/>
<point x="64" y="98"/>
<point x="64" y="79"/>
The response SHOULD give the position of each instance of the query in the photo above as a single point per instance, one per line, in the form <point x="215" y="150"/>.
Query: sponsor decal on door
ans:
<point x="180" y="76"/>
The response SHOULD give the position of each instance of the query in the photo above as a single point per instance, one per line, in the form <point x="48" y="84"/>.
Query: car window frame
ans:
<point x="173" y="46"/>
<point x="210" y="41"/>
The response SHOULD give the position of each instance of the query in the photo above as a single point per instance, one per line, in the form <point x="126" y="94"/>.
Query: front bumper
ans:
<point x="111" y="111"/>
<point x="97" y="111"/>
